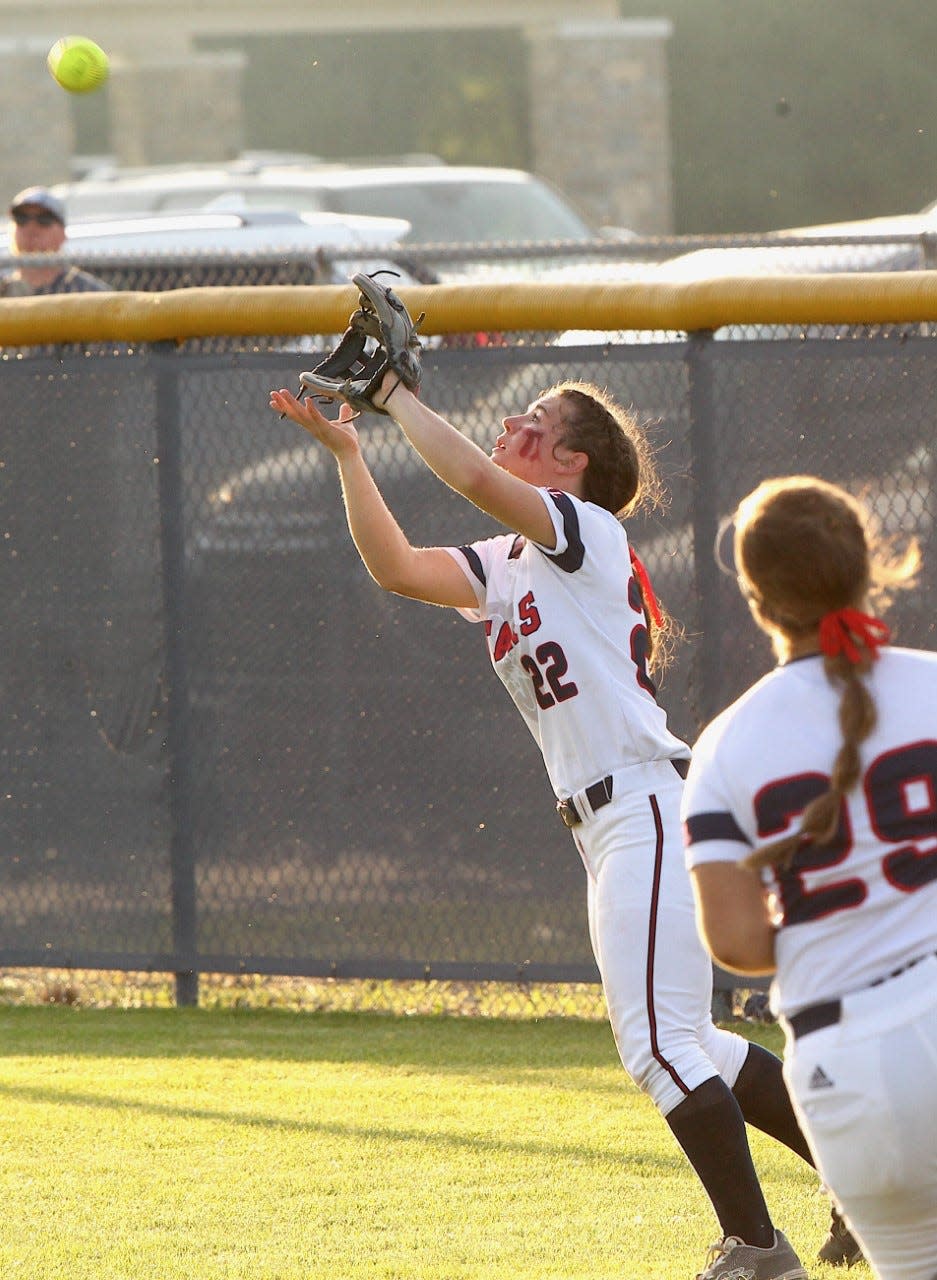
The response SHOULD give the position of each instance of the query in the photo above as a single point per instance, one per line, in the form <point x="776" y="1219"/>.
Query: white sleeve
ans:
<point x="568" y="514"/>
<point x="712" y="831"/>
<point x="475" y="561"/>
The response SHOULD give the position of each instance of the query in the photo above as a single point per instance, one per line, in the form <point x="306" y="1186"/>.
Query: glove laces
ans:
<point x="840" y="629"/>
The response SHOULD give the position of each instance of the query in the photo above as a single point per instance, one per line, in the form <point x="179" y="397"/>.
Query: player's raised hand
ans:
<point x="338" y="434"/>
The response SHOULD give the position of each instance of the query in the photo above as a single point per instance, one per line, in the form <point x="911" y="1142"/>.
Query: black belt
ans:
<point x="815" y="1017"/>
<point x="828" y="1012"/>
<point x="599" y="794"/>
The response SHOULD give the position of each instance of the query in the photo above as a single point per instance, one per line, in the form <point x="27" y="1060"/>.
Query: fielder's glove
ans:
<point x="353" y="372"/>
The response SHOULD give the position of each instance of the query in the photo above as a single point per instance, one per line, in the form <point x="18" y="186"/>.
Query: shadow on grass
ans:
<point x="535" y="1148"/>
<point x="437" y="1044"/>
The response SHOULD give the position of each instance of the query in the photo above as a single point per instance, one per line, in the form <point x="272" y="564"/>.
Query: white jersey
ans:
<point x="567" y="636"/>
<point x="854" y="911"/>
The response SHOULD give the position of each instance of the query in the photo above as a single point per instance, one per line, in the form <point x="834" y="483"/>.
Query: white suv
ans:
<point x="444" y="204"/>
<point x="160" y="251"/>
<point x="217" y="231"/>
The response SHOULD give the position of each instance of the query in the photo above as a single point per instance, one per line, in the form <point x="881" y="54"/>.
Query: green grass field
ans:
<point x="158" y="1144"/>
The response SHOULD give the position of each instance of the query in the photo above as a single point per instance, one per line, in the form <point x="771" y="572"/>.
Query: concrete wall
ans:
<point x="600" y="118"/>
<point x="126" y="26"/>
<point x="37" y="138"/>
<point x="184" y="107"/>
<point x="598" y="94"/>
<point x="178" y="107"/>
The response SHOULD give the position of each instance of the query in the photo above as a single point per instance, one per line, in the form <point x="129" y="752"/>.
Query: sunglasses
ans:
<point x="23" y="219"/>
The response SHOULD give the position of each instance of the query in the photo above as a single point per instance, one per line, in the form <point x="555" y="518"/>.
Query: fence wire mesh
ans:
<point x="227" y="753"/>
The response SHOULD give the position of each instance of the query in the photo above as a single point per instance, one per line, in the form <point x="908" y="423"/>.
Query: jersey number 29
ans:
<point x="910" y="829"/>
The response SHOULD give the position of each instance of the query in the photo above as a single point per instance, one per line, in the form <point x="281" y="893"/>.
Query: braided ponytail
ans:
<point x="820" y="820"/>
<point x="807" y="565"/>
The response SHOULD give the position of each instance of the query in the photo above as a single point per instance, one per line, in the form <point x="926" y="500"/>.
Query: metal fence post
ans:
<point x="705" y="518"/>
<point x="172" y="540"/>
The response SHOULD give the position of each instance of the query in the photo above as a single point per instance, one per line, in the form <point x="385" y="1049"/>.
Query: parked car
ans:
<point x="154" y="252"/>
<point x="444" y="204"/>
<point x="897" y="243"/>
<point x="778" y="259"/>
<point x="275" y="231"/>
<point x="900" y="242"/>
<point x="157" y="252"/>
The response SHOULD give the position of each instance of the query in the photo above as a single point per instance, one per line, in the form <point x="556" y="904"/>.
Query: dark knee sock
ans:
<point x="762" y="1095"/>
<point x="710" y="1128"/>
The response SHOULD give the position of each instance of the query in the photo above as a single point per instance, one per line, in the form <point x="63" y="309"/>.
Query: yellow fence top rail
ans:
<point x="850" y="298"/>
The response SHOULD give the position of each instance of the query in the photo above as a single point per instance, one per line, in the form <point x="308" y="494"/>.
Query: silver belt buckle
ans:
<point x="567" y="811"/>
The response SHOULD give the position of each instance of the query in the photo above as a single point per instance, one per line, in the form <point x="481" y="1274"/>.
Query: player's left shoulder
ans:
<point x="913" y="657"/>
<point x="590" y="541"/>
<point x="594" y="522"/>
<point x="905" y="673"/>
<point x="896" y="663"/>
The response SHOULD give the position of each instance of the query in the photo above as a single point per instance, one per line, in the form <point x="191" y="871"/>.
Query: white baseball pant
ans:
<point x="865" y="1092"/>
<point x="656" y="974"/>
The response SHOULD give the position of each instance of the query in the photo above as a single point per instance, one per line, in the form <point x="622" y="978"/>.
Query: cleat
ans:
<point x="732" y="1259"/>
<point x="840" y="1248"/>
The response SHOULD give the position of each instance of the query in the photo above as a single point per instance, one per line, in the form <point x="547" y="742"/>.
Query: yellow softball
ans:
<point x="78" y="64"/>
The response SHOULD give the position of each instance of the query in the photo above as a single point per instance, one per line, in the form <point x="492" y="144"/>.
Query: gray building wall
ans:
<point x="37" y="138"/>
<point x="600" y="118"/>
<point x="598" y="107"/>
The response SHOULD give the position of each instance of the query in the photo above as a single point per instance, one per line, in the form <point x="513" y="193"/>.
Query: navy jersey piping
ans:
<point x="474" y="563"/>
<point x="571" y="559"/>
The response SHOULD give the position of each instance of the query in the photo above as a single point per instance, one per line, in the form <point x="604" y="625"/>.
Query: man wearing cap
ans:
<point x="37" y="225"/>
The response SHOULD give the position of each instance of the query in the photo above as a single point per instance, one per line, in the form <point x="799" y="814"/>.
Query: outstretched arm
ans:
<point x="422" y="573"/>
<point x="462" y="465"/>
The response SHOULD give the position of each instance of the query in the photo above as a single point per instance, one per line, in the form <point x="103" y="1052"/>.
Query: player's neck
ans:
<point x="565" y="483"/>
<point x="804" y="647"/>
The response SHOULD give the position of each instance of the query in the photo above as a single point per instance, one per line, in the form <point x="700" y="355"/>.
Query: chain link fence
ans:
<point x="226" y="752"/>
<point x="601" y="261"/>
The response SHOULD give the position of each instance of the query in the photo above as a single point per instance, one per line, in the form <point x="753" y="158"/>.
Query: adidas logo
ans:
<point x="820" y="1080"/>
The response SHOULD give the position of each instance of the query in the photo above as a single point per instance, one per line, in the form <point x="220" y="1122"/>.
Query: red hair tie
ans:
<point x="646" y="589"/>
<point x="838" y="629"/>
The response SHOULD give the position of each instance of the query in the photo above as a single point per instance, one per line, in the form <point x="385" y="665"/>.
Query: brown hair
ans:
<point x="804" y="549"/>
<point x="622" y="477"/>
